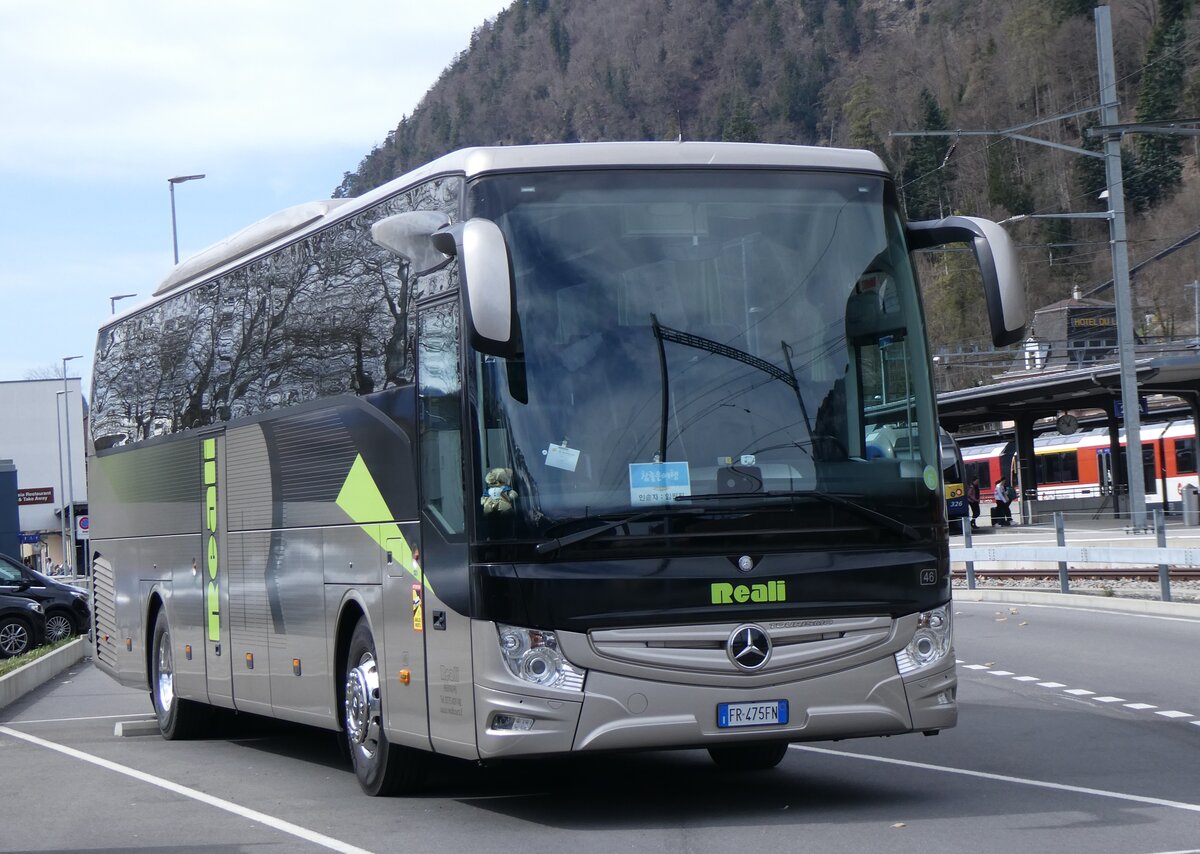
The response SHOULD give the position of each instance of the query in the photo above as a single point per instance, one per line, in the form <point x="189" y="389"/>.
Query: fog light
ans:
<point x="511" y="723"/>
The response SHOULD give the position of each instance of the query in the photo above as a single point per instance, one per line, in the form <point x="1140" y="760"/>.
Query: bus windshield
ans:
<point x="717" y="339"/>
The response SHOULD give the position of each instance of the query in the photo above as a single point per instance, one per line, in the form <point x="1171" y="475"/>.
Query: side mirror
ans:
<point x="997" y="259"/>
<point x="408" y="235"/>
<point x="487" y="283"/>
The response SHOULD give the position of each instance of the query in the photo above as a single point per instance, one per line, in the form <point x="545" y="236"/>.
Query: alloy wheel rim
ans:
<point x="166" y="674"/>
<point x="58" y="627"/>
<point x="13" y="638"/>
<point x="362" y="707"/>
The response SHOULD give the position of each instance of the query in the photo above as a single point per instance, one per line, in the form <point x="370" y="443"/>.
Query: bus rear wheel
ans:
<point x="382" y="768"/>
<point x="178" y="718"/>
<point x="749" y="757"/>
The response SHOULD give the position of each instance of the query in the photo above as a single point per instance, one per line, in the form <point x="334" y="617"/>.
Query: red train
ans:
<point x="1081" y="466"/>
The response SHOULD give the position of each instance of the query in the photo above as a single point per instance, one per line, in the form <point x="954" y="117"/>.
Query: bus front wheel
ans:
<point x="749" y="757"/>
<point x="382" y="768"/>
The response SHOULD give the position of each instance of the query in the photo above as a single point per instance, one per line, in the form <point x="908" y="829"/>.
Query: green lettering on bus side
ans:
<point x="361" y="500"/>
<point x="210" y="508"/>
<point x="214" y="612"/>
<point x="212" y="599"/>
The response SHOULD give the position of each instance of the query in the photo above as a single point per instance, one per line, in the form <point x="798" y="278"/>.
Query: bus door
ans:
<point x="210" y="576"/>
<point x="444" y="557"/>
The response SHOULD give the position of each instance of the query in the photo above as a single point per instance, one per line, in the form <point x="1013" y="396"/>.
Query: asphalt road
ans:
<point x="1079" y="731"/>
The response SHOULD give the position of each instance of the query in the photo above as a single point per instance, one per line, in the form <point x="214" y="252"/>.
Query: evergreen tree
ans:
<point x="1064" y="9"/>
<point x="1004" y="186"/>
<point x="1159" y="95"/>
<point x="739" y="127"/>
<point x="863" y="113"/>
<point x="927" y="171"/>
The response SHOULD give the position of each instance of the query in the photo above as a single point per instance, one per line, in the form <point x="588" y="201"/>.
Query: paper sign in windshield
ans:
<point x="562" y="457"/>
<point x="658" y="483"/>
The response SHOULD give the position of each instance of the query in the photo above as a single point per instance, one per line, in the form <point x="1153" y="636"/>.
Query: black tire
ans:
<point x="59" y="626"/>
<point x="16" y="637"/>
<point x="749" y="757"/>
<point x="178" y="719"/>
<point x="382" y="768"/>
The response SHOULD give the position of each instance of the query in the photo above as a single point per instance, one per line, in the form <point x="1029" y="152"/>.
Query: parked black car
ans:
<point x="67" y="609"/>
<point x="22" y="625"/>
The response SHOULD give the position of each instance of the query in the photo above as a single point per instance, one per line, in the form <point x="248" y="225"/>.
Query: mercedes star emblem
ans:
<point x="749" y="647"/>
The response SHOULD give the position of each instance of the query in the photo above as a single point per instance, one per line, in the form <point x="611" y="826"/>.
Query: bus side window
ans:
<point x="439" y="379"/>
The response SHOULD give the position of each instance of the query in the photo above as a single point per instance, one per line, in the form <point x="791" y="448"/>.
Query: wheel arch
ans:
<point x="352" y="610"/>
<point x="154" y="606"/>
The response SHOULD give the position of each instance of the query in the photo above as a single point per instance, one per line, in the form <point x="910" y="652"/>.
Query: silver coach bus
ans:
<point x="542" y="449"/>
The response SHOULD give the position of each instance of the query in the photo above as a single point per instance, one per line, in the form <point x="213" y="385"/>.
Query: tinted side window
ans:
<point x="328" y="315"/>
<point x="1058" y="468"/>
<point x="1185" y="456"/>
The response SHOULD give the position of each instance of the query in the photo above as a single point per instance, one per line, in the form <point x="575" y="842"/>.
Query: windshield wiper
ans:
<point x="587" y="533"/>
<point x="833" y="498"/>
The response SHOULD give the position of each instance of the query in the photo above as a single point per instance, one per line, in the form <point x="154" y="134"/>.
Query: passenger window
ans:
<point x="439" y="380"/>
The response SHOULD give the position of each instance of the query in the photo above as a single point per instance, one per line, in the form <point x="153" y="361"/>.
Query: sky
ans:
<point x="102" y="102"/>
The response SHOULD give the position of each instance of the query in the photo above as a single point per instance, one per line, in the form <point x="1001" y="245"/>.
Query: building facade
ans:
<point x="45" y="441"/>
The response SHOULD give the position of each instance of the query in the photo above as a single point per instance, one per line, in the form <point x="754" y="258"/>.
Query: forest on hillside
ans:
<point x="851" y="73"/>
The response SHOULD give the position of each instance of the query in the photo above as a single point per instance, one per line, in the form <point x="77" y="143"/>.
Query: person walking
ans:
<point x="1003" y="515"/>
<point x="973" y="500"/>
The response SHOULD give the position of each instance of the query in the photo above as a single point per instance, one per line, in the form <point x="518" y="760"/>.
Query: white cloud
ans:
<point x="102" y="101"/>
<point x="108" y="87"/>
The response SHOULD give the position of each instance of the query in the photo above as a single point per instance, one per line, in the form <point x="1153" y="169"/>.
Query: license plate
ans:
<point x="761" y="713"/>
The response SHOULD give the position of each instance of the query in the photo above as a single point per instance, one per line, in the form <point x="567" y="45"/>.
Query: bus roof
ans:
<point x="300" y="220"/>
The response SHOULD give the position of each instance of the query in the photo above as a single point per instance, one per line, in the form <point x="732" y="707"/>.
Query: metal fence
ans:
<point x="1160" y="556"/>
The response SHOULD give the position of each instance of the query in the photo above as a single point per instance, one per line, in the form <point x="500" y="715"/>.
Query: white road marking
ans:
<point x="1005" y="778"/>
<point x="204" y="798"/>
<point x="1083" y="692"/>
<point x="71" y="720"/>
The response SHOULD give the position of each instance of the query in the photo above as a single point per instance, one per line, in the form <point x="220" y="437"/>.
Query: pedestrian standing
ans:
<point x="973" y="500"/>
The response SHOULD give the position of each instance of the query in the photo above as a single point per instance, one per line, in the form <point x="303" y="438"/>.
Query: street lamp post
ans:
<point x="112" y="301"/>
<point x="70" y="473"/>
<point x="178" y="179"/>
<point x="62" y="520"/>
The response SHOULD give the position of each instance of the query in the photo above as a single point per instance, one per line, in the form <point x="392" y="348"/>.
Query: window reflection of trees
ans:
<point x="324" y="316"/>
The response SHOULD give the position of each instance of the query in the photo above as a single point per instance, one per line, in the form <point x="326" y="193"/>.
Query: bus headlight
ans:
<point x="930" y="642"/>
<point x="533" y="656"/>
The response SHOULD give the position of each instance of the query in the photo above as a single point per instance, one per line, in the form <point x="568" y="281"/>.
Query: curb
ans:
<point x="21" y="681"/>
<point x="1115" y="604"/>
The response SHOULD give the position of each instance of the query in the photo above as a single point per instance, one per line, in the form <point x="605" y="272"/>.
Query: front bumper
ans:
<point x="619" y="711"/>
